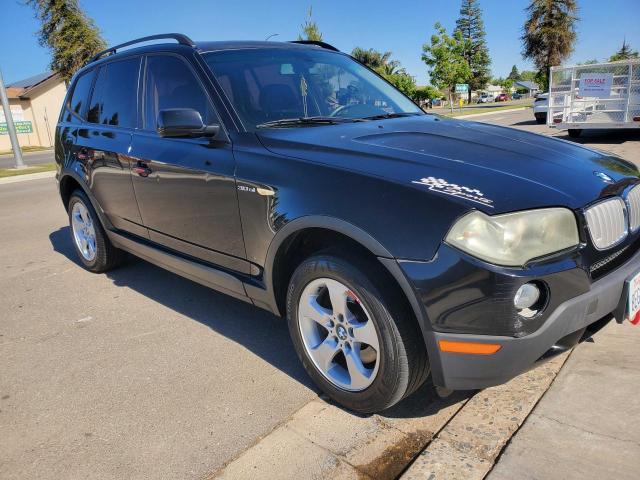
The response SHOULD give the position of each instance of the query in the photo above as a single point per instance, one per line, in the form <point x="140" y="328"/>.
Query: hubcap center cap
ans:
<point x="342" y="332"/>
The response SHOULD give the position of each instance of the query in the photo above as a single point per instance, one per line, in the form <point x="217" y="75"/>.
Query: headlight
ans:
<point x="513" y="239"/>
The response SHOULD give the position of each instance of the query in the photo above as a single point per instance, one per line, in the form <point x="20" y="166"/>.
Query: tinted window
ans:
<point x="267" y="84"/>
<point x="114" y="99"/>
<point x="170" y="83"/>
<point x="80" y="94"/>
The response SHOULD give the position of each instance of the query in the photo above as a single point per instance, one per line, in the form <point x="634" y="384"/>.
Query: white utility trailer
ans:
<point x="602" y="96"/>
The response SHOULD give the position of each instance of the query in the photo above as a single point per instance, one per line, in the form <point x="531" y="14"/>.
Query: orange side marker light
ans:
<point x="472" y="348"/>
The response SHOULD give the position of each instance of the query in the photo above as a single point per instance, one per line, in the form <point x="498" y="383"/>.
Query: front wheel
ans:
<point x="361" y="346"/>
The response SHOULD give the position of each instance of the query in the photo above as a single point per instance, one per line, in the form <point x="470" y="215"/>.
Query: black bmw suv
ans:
<point x="397" y="244"/>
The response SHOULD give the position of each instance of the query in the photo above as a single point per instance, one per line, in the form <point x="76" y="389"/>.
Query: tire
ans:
<point x="401" y="364"/>
<point x="574" y="132"/>
<point x="93" y="247"/>
<point x="540" y="119"/>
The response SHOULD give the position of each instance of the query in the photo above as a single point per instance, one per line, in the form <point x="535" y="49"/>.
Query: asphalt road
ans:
<point x="135" y="374"/>
<point x="625" y="143"/>
<point x="30" y="158"/>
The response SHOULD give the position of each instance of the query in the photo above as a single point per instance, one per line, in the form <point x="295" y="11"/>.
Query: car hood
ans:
<point x="495" y="169"/>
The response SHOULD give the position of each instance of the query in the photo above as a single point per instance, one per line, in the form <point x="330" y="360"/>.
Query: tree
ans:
<point x="625" y="53"/>
<point x="310" y="30"/>
<point x="391" y="70"/>
<point x="70" y="35"/>
<point x="549" y="33"/>
<point x="424" y="94"/>
<point x="371" y="58"/>
<point x="402" y="81"/>
<point x="445" y="58"/>
<point x="514" y="75"/>
<point x="528" y="75"/>
<point x="476" y="53"/>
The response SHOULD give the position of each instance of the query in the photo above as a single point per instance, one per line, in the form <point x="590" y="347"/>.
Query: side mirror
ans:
<point x="184" y="122"/>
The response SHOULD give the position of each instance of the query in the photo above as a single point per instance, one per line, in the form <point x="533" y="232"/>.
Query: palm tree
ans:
<point x="372" y="58"/>
<point x="549" y="32"/>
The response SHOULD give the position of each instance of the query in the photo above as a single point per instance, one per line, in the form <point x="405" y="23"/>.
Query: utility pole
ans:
<point x="11" y="128"/>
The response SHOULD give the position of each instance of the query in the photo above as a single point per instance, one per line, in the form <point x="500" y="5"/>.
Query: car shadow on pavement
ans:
<point x="425" y="402"/>
<point x="593" y="137"/>
<point x="259" y="331"/>
<point x="524" y="122"/>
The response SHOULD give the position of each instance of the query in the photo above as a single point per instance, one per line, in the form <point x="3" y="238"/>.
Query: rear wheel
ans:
<point x="360" y="346"/>
<point x="540" y="119"/>
<point x="92" y="245"/>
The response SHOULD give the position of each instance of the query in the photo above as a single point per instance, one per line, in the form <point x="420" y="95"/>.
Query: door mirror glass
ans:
<point x="184" y="122"/>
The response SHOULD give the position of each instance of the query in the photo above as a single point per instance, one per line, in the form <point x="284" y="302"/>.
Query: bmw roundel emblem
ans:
<point x="604" y="177"/>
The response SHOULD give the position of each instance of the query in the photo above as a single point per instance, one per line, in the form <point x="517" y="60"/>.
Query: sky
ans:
<point x="401" y="26"/>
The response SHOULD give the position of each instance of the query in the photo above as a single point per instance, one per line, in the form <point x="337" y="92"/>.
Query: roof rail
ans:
<point x="317" y="43"/>
<point x="179" y="37"/>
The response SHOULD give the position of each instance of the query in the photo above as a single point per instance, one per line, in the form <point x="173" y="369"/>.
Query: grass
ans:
<point x="472" y="111"/>
<point x="26" y="149"/>
<point x="12" y="172"/>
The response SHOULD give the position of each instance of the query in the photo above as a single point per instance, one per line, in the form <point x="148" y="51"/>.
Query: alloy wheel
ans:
<point x="339" y="335"/>
<point x="84" y="232"/>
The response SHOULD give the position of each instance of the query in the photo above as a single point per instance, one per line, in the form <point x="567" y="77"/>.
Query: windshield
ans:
<point x="268" y="85"/>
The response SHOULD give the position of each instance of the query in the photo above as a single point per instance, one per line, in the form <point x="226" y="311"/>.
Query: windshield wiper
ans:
<point x="392" y="115"/>
<point x="319" y="120"/>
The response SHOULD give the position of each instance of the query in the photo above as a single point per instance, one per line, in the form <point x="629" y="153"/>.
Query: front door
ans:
<point x="185" y="187"/>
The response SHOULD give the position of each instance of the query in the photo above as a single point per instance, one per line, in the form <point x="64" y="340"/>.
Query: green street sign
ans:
<point x="21" y="127"/>
<point x="462" y="88"/>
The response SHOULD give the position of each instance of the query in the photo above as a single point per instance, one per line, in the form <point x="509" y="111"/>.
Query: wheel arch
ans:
<point x="354" y="235"/>
<point x="70" y="181"/>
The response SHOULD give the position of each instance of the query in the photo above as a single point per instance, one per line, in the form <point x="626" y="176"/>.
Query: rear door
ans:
<point x="103" y="143"/>
<point x="185" y="187"/>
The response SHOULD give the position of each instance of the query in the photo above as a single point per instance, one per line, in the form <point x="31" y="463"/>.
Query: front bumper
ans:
<point x="569" y="322"/>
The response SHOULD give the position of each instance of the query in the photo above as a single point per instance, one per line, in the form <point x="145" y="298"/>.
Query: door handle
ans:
<point x="141" y="169"/>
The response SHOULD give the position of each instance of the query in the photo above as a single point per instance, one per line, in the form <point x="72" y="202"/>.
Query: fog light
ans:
<point x="526" y="296"/>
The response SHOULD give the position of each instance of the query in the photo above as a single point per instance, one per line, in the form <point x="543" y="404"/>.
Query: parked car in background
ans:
<point x="503" y="97"/>
<point x="517" y="96"/>
<point x="541" y="107"/>
<point x="397" y="244"/>
<point x="485" y="98"/>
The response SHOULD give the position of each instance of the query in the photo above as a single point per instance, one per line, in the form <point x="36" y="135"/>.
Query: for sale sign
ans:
<point x="595" y="85"/>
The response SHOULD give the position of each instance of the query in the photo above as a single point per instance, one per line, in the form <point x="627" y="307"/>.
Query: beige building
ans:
<point x="35" y="105"/>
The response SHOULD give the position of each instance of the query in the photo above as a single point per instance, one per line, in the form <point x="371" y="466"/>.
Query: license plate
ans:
<point x="633" y="303"/>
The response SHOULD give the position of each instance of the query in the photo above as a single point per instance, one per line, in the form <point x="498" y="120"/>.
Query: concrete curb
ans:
<point x="26" y="154"/>
<point x="322" y="440"/>
<point x="469" y="445"/>
<point x="462" y="436"/>
<point x="26" y="177"/>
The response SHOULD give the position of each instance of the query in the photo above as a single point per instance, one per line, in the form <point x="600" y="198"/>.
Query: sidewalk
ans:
<point x="587" y="426"/>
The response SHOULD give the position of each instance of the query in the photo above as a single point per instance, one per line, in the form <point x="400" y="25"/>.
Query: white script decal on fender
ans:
<point x="442" y="186"/>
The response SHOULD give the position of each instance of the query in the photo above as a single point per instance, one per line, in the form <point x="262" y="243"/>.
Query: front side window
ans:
<point x="114" y="99"/>
<point x="80" y="95"/>
<point x="270" y="84"/>
<point x="170" y="83"/>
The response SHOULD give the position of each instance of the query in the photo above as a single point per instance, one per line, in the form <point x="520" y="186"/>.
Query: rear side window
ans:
<point x="114" y="99"/>
<point x="80" y="95"/>
<point x="170" y="83"/>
